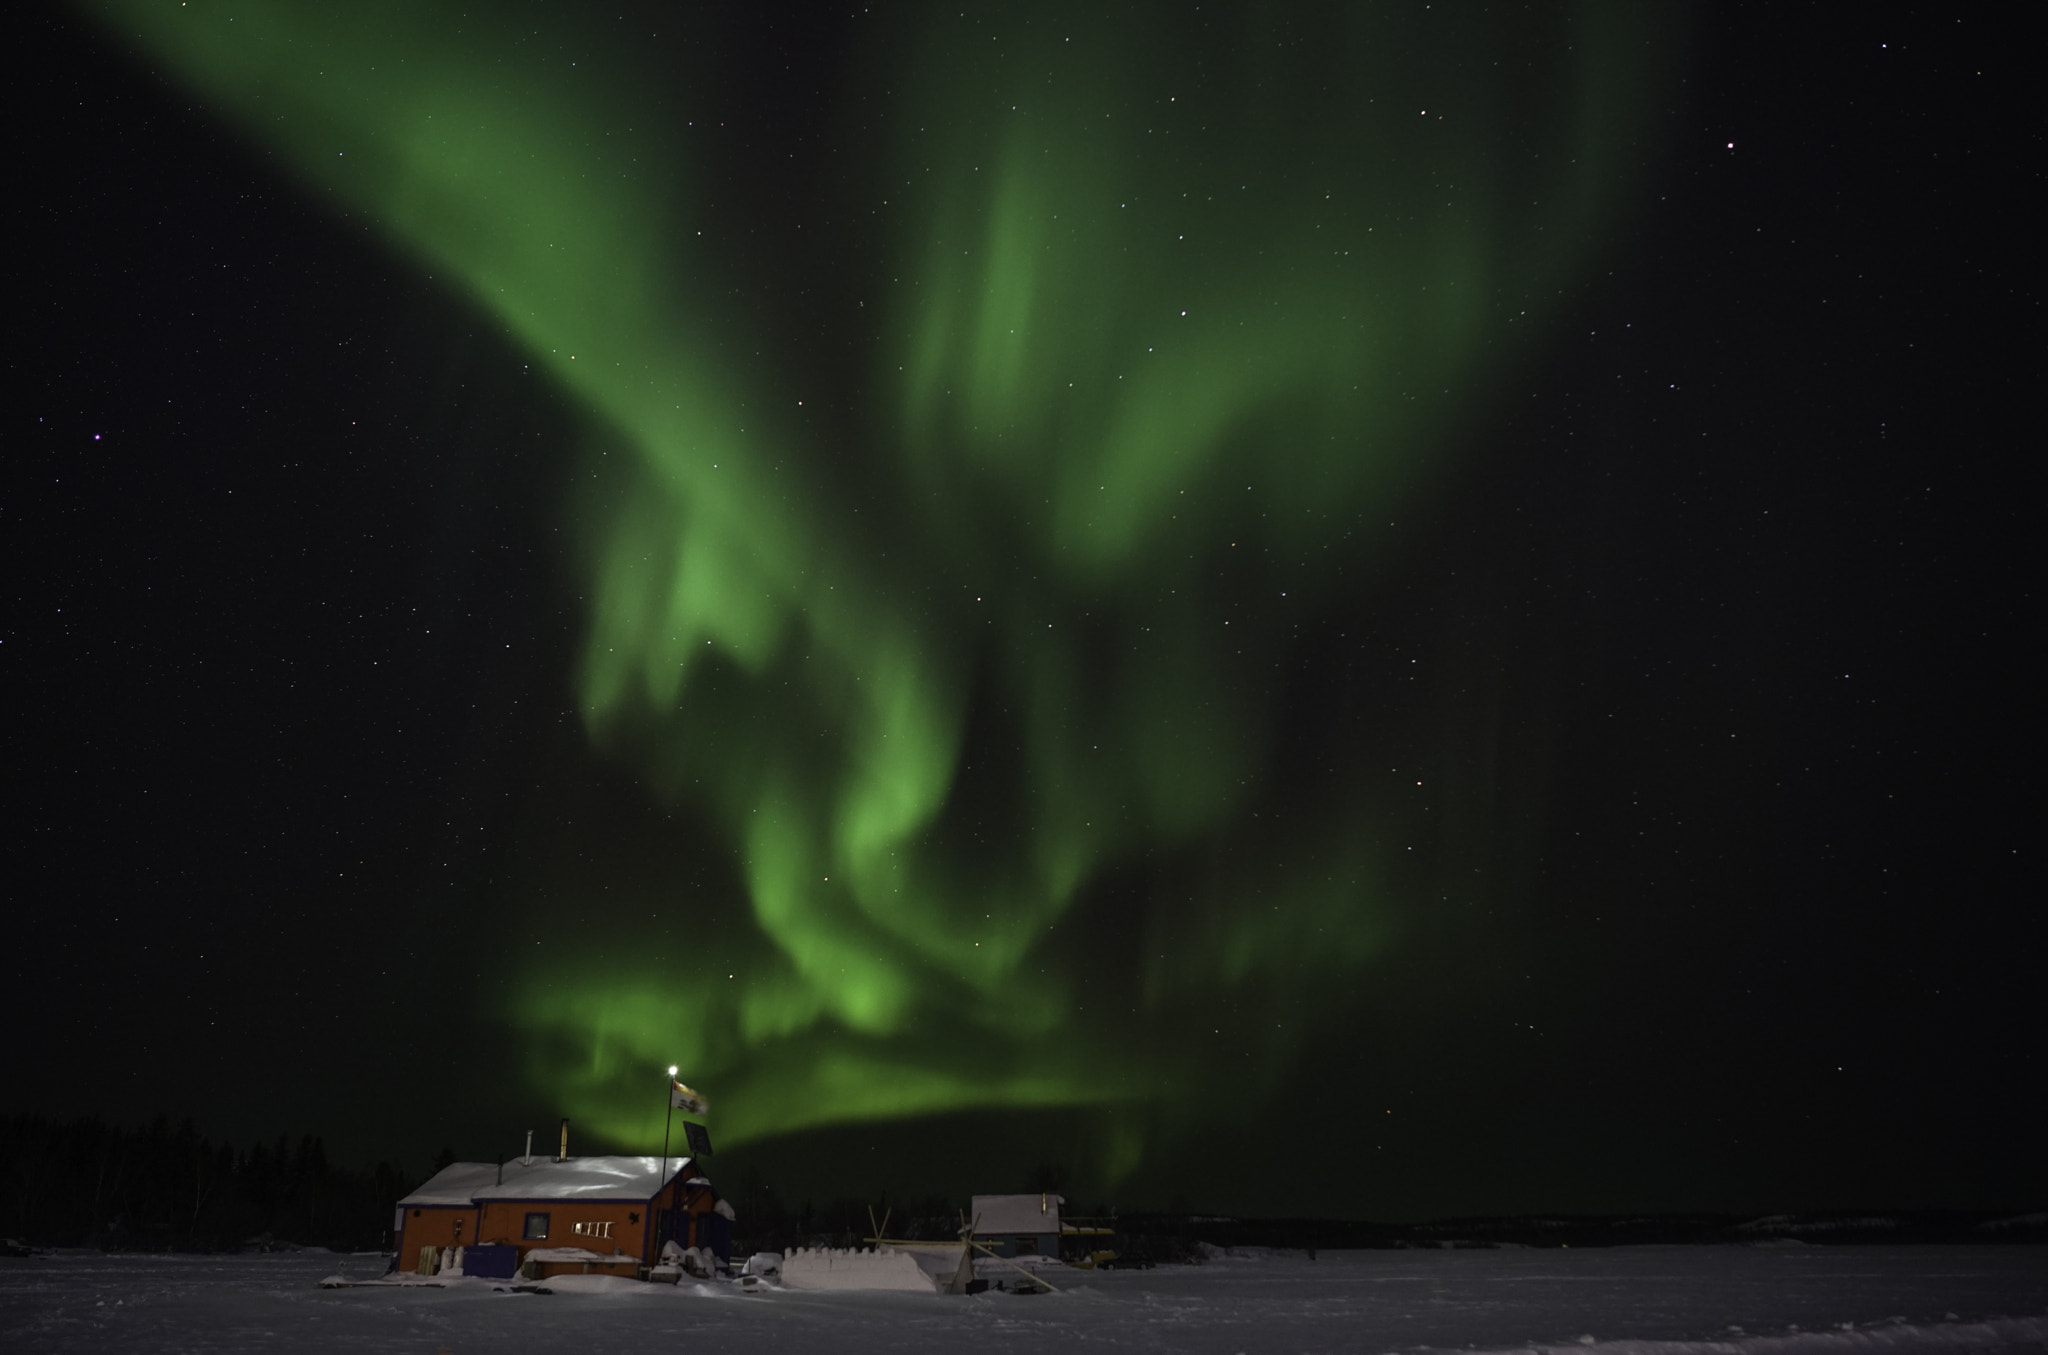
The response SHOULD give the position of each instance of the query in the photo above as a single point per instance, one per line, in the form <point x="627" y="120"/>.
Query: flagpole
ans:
<point x="668" y="1095"/>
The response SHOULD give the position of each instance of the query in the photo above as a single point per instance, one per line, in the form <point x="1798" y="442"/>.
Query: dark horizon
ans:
<point x="1697" y="623"/>
<point x="159" y="1187"/>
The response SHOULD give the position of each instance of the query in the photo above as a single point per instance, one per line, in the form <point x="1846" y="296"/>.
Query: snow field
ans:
<point x="1615" y="1301"/>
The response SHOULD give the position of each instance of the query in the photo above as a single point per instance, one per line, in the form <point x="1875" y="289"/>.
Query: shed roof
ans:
<point x="580" y="1178"/>
<point x="1017" y="1213"/>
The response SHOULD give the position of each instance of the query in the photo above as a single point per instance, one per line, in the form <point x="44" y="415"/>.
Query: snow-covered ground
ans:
<point x="1618" y="1301"/>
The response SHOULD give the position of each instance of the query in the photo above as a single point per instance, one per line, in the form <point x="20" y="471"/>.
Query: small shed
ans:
<point x="1018" y="1225"/>
<point x="619" y="1209"/>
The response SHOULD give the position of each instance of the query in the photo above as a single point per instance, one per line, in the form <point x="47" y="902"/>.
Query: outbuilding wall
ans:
<point x="704" y="1227"/>
<point x="505" y="1221"/>
<point x="433" y="1225"/>
<point x="1021" y="1244"/>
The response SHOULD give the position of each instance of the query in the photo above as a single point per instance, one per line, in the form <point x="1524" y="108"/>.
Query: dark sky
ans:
<point x="1723" y="600"/>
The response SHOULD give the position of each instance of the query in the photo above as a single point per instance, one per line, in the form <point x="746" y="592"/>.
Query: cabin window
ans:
<point x="1027" y="1246"/>
<point x="536" y="1227"/>
<point x="591" y="1229"/>
<point x="633" y="1216"/>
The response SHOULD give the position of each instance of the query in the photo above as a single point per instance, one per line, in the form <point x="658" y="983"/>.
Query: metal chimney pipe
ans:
<point x="563" y="1156"/>
<point x="529" y="1149"/>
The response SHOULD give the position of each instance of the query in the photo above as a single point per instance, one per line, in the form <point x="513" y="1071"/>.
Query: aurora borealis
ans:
<point x="1003" y="502"/>
<point x="1141" y="309"/>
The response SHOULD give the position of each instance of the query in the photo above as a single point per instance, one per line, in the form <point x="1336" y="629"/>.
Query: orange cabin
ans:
<point x="618" y="1210"/>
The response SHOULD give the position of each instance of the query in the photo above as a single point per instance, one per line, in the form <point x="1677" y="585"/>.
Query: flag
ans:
<point x="682" y="1098"/>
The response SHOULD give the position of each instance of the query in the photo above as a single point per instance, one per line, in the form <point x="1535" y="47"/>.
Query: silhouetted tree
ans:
<point x="88" y="1182"/>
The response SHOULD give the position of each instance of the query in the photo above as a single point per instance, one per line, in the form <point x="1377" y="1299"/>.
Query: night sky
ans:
<point x="1410" y="611"/>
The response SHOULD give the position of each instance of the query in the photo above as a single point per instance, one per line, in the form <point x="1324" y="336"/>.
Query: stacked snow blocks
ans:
<point x="833" y="1268"/>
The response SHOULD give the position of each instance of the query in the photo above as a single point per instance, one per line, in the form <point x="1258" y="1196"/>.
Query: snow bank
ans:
<point x="834" y="1268"/>
<point x="1962" y="1338"/>
<point x="2016" y="1221"/>
<point x="610" y="1286"/>
<point x="572" y="1254"/>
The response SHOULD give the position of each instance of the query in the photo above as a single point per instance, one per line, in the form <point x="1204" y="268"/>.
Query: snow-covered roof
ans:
<point x="580" y="1178"/>
<point x="1016" y="1213"/>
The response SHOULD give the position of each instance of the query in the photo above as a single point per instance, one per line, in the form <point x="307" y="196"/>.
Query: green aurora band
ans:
<point x="1133" y="330"/>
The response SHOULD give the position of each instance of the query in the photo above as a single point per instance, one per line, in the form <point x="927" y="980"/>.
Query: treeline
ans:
<point x="1184" y="1236"/>
<point x="160" y="1188"/>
